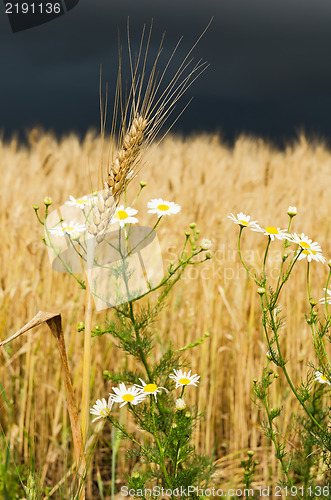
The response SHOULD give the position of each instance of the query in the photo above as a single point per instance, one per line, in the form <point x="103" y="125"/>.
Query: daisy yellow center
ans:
<point x="150" y="388"/>
<point x="105" y="412"/>
<point x="68" y="228"/>
<point x="121" y="214"/>
<point x="271" y="230"/>
<point x="309" y="252"/>
<point x="323" y="377"/>
<point x="81" y="201"/>
<point x="128" y="397"/>
<point x="243" y="222"/>
<point x="163" y="207"/>
<point x="184" y="381"/>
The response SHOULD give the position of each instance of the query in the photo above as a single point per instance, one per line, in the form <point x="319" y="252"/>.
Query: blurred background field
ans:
<point x="209" y="180"/>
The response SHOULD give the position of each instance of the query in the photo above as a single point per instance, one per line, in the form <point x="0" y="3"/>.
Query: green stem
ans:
<point x="286" y="244"/>
<point x="241" y="258"/>
<point x="265" y="258"/>
<point x="274" y="440"/>
<point x="129" y="436"/>
<point x="283" y="367"/>
<point x="161" y="451"/>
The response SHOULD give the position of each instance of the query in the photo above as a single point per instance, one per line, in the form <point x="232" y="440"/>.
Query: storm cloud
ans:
<point x="269" y="64"/>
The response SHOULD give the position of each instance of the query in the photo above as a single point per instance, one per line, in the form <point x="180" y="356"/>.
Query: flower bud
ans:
<point x="250" y="453"/>
<point x="261" y="291"/>
<point x="208" y="255"/>
<point x="312" y="302"/>
<point x="180" y="404"/>
<point x="205" y="244"/>
<point x="192" y="225"/>
<point x="135" y="475"/>
<point x="80" y="326"/>
<point x="48" y="201"/>
<point x="187" y="233"/>
<point x="35" y="207"/>
<point x="143" y="184"/>
<point x="292" y="211"/>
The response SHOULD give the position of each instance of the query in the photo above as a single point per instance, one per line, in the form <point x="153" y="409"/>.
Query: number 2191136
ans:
<point x="33" y="8"/>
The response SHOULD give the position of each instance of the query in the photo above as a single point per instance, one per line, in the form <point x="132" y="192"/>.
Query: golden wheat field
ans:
<point x="209" y="180"/>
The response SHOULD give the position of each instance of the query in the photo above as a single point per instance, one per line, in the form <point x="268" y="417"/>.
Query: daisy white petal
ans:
<point x="73" y="229"/>
<point x="319" y="377"/>
<point x="126" y="395"/>
<point x="310" y="249"/>
<point x="161" y="207"/>
<point x="101" y="408"/>
<point x="124" y="216"/>
<point x="79" y="202"/>
<point x="183" y="378"/>
<point x="152" y="389"/>
<point x="273" y="232"/>
<point x="243" y="220"/>
<point x="328" y="298"/>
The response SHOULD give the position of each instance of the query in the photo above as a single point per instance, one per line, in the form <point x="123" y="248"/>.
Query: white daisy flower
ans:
<point x="161" y="207"/>
<point x="328" y="298"/>
<point x="124" y="216"/>
<point x="73" y="229"/>
<point x="101" y="408"/>
<point x="273" y="232"/>
<point x="79" y="202"/>
<point x="180" y="404"/>
<point x="183" y="378"/>
<point x="319" y="377"/>
<point x="205" y="244"/>
<point x="149" y="388"/>
<point x="310" y="249"/>
<point x="126" y="395"/>
<point x="243" y="220"/>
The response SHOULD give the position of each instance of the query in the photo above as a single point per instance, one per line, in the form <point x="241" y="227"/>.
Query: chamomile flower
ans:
<point x="126" y="395"/>
<point x="149" y="388"/>
<point x="183" y="378"/>
<point x="79" y="202"/>
<point x="243" y="220"/>
<point x="328" y="298"/>
<point x="124" y="216"/>
<point x="310" y="250"/>
<point x="319" y="377"/>
<point x="161" y="207"/>
<point x="273" y="232"/>
<point x="73" y="229"/>
<point x="101" y="408"/>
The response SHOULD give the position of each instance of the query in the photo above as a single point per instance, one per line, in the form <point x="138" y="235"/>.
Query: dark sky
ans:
<point x="269" y="74"/>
